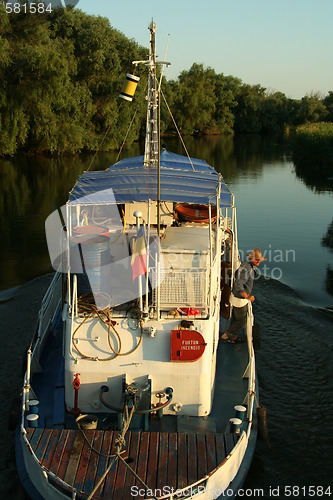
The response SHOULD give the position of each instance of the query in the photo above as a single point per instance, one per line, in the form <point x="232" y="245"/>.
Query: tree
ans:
<point x="195" y="102"/>
<point x="249" y="109"/>
<point x="312" y="108"/>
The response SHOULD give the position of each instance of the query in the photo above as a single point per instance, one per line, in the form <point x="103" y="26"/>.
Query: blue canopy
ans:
<point x="130" y="180"/>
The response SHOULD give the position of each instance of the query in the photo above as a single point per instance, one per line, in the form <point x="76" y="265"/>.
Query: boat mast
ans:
<point x="151" y="155"/>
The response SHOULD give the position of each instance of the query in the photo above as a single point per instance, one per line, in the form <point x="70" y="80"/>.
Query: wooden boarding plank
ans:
<point x="192" y="459"/>
<point x="50" y="448"/>
<point x="95" y="456"/>
<point x="182" y="461"/>
<point x="220" y="448"/>
<point x="35" y="438"/>
<point x="120" y="479"/>
<point x="62" y="466"/>
<point x="103" y="460"/>
<point x="84" y="459"/>
<point x="202" y="456"/>
<point x="172" y="461"/>
<point x="74" y="459"/>
<point x="143" y="458"/>
<point x="153" y="460"/>
<point x="53" y="462"/>
<point x="109" y="483"/>
<point x="133" y="457"/>
<point x="42" y="444"/>
<point x="211" y="452"/>
<point x="162" y="471"/>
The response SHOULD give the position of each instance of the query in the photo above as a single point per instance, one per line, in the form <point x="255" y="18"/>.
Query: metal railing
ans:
<point x="181" y="287"/>
<point x="250" y="371"/>
<point x="47" y="312"/>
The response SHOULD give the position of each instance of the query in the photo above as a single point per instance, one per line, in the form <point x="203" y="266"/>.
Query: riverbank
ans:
<point x="313" y="146"/>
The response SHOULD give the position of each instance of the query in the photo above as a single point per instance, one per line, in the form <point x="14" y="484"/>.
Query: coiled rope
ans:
<point x="87" y="307"/>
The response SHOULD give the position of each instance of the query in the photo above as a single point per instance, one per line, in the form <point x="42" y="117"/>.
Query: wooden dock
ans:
<point x="160" y="459"/>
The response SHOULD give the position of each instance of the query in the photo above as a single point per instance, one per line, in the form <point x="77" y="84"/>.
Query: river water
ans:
<point x="288" y="217"/>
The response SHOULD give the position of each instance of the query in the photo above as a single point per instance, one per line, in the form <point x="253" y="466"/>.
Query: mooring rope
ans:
<point x="120" y="443"/>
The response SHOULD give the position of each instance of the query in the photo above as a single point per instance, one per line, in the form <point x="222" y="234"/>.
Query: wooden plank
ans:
<point x="30" y="432"/>
<point x="153" y="460"/>
<point x="162" y="471"/>
<point x="66" y="454"/>
<point x="104" y="460"/>
<point x="202" y="456"/>
<point x="120" y="478"/>
<point x="220" y="448"/>
<point x="74" y="459"/>
<point x="211" y="452"/>
<point x="51" y="448"/>
<point x="229" y="442"/>
<point x="35" y="438"/>
<point x="95" y="456"/>
<point x="111" y="476"/>
<point x="42" y="444"/>
<point x="133" y="457"/>
<point x="172" y="461"/>
<point x="192" y="459"/>
<point x="55" y="461"/>
<point x="143" y="458"/>
<point x="182" y="460"/>
<point x="84" y="459"/>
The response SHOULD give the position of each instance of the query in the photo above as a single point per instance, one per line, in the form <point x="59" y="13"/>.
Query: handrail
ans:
<point x="73" y="313"/>
<point x="251" y="366"/>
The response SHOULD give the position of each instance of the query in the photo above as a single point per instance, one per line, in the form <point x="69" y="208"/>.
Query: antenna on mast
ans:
<point x="151" y="154"/>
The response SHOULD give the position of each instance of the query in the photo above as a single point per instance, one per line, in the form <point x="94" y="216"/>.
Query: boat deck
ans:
<point x="160" y="459"/>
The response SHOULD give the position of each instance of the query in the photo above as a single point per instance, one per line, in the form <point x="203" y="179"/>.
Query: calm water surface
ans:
<point x="277" y="211"/>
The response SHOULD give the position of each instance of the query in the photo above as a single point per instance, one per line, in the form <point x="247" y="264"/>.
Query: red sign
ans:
<point x="186" y="345"/>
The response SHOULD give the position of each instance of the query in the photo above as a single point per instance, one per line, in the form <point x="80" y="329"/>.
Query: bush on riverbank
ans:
<point x="313" y="145"/>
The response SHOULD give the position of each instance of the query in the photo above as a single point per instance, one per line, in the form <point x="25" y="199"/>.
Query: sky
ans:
<point x="283" y="45"/>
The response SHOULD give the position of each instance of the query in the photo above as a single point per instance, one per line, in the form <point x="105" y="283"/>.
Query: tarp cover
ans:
<point x="130" y="180"/>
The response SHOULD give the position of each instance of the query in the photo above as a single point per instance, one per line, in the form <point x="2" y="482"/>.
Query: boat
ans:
<point x="128" y="390"/>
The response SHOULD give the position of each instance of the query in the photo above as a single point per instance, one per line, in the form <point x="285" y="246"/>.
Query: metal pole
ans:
<point x="137" y="214"/>
<point x="147" y="274"/>
<point x="159" y="169"/>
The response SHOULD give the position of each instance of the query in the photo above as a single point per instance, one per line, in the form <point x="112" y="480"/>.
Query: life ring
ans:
<point x="195" y="213"/>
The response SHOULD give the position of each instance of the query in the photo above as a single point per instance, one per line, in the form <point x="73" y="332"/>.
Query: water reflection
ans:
<point x="32" y="188"/>
<point x="316" y="179"/>
<point x="327" y="240"/>
<point x="274" y="211"/>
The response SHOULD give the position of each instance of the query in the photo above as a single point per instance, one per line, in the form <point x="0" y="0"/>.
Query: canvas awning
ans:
<point x="131" y="181"/>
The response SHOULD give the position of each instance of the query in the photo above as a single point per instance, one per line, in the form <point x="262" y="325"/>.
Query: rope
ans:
<point x="126" y="135"/>
<point x="175" y="124"/>
<point x="88" y="307"/>
<point x="129" y="128"/>
<point x="126" y="420"/>
<point x="99" y="147"/>
<point x="121" y="442"/>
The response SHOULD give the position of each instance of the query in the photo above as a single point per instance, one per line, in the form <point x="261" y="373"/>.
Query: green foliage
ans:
<point x="312" y="109"/>
<point x="61" y="74"/>
<point x="60" y="78"/>
<point x="313" y="147"/>
<point x="203" y="101"/>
